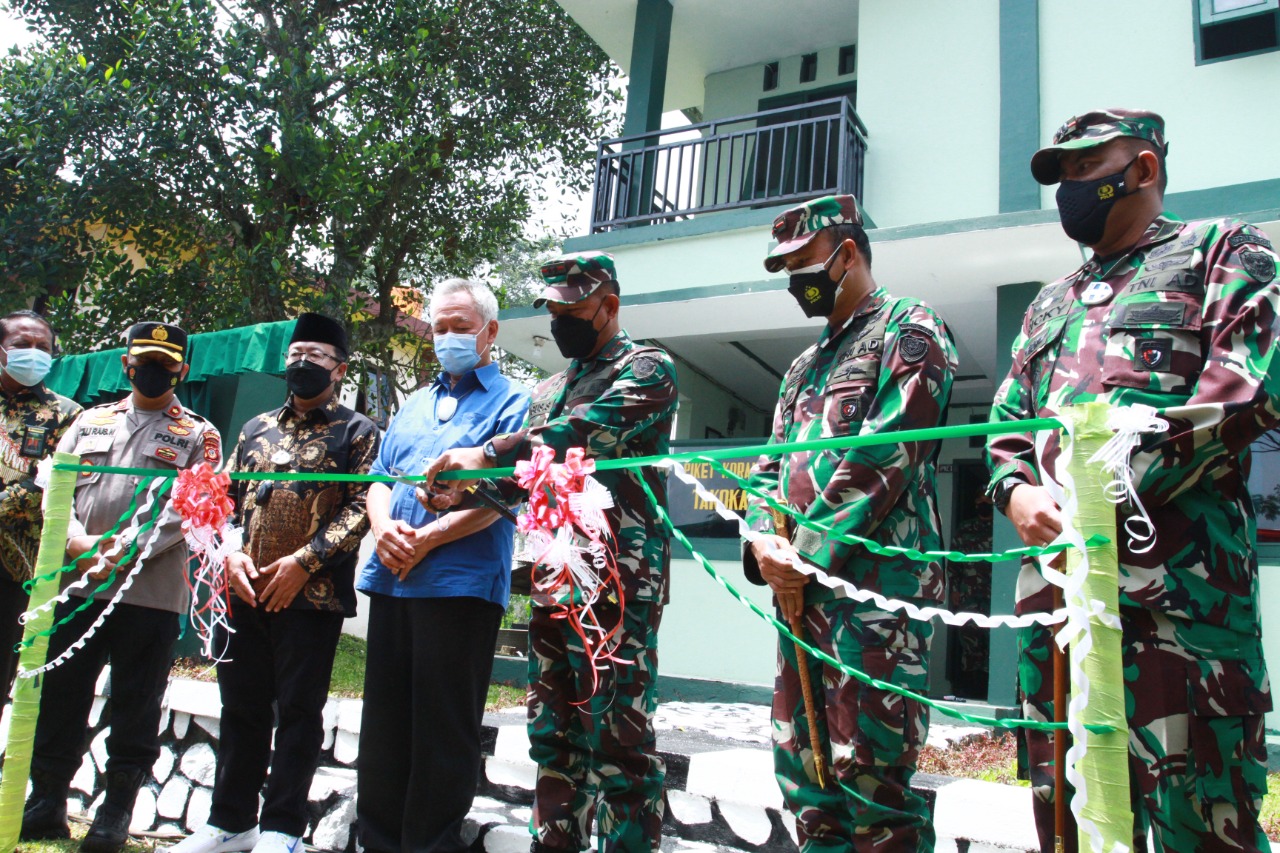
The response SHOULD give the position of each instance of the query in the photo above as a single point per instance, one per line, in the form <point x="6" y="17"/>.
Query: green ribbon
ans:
<point x="784" y="630"/>
<point x="128" y="513"/>
<point x="892" y="550"/>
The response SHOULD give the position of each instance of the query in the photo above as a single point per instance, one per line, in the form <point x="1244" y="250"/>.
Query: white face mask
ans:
<point x="28" y="366"/>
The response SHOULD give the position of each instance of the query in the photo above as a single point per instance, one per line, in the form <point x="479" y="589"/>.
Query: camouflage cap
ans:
<point x="1094" y="128"/>
<point x="795" y="227"/>
<point x="572" y="278"/>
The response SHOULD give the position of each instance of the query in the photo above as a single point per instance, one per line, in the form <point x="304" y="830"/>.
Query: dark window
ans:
<point x="808" y="68"/>
<point x="848" y="59"/>
<point x="1230" y="28"/>
<point x="771" y="76"/>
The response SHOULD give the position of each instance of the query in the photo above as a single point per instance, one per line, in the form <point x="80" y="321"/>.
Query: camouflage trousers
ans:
<point x="874" y="736"/>
<point x="1195" y="697"/>
<point x="602" y="752"/>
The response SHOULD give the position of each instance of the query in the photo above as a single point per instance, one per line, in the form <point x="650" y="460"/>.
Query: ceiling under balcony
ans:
<point x="709" y="36"/>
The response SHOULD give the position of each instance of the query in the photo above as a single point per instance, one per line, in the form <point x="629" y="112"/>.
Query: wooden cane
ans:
<point x="1059" y="735"/>
<point x="806" y="683"/>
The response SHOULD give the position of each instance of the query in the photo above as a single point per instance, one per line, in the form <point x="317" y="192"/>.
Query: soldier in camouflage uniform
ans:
<point x="1180" y="316"/>
<point x="616" y="400"/>
<point x="881" y="363"/>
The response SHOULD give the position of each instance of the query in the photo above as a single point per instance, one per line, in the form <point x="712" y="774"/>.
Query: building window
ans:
<point x="808" y="68"/>
<point x="771" y="76"/>
<point x="848" y="59"/>
<point x="1230" y="28"/>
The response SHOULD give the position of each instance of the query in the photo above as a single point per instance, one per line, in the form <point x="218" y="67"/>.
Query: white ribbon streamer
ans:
<point x="912" y="610"/>
<point x="1129" y="423"/>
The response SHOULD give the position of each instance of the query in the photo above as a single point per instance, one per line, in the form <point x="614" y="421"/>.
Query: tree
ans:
<point x="269" y="156"/>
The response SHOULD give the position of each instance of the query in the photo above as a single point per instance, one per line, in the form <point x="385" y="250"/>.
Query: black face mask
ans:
<point x="575" y="336"/>
<point x="814" y="291"/>
<point x="305" y="380"/>
<point x="152" y="380"/>
<point x="1083" y="206"/>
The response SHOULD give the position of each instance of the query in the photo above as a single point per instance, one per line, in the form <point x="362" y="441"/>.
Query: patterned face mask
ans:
<point x="813" y="289"/>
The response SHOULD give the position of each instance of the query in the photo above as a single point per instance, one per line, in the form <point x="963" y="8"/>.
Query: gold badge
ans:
<point x="159" y="334"/>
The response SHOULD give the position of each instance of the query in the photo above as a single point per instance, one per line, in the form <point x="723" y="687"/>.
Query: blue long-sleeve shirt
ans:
<point x="478" y="565"/>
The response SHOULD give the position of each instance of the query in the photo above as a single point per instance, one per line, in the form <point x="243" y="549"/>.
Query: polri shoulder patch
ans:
<point x="644" y="367"/>
<point x="1260" y="265"/>
<point x="912" y="348"/>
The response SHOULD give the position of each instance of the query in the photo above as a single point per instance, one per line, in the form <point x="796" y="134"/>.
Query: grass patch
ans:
<point x="502" y="696"/>
<point x="987" y="757"/>
<point x="1270" y="817"/>
<point x="72" y="844"/>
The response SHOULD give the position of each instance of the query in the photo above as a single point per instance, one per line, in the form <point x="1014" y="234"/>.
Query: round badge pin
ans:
<point x="445" y="408"/>
<point x="282" y="457"/>
<point x="1096" y="293"/>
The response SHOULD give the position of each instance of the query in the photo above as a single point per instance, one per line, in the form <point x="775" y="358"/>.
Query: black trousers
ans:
<point x="139" y="643"/>
<point x="283" y="660"/>
<point x="13" y="601"/>
<point x="425" y="685"/>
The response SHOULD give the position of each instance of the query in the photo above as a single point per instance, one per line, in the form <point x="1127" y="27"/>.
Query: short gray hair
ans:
<point x="481" y="296"/>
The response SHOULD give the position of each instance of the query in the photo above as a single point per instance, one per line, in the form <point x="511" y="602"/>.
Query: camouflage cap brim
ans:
<point x="564" y="294"/>
<point x="777" y="258"/>
<point x="1045" y="167"/>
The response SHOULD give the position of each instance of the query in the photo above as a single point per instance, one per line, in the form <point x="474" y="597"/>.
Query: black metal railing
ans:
<point x="766" y="158"/>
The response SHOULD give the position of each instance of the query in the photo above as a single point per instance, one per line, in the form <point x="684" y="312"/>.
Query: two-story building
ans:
<point x="928" y="111"/>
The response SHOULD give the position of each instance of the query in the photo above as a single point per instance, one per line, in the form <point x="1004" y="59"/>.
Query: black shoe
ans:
<point x="539" y="847"/>
<point x="45" y="817"/>
<point x="109" y="832"/>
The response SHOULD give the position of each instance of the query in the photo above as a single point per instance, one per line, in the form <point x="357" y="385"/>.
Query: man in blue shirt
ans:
<point x="437" y="588"/>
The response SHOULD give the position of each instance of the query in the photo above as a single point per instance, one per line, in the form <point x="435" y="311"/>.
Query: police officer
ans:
<point x="880" y="364"/>
<point x="34" y="420"/>
<point x="617" y="399"/>
<point x="147" y="429"/>
<point x="1180" y="316"/>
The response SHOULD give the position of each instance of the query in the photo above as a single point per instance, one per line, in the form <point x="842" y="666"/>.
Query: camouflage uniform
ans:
<point x="1185" y="319"/>
<point x="618" y="404"/>
<point x="889" y="367"/>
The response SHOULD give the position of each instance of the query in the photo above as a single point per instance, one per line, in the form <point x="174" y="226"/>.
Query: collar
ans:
<point x="175" y="409"/>
<point x="325" y="412"/>
<point x="613" y="350"/>
<point x="39" y="391"/>
<point x="483" y="376"/>
<point x="1162" y="229"/>
<point x="870" y="304"/>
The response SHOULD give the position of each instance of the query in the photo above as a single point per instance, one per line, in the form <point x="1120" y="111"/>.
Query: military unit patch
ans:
<point x="1237" y="240"/>
<point x="644" y="367"/>
<point x="178" y="430"/>
<point x="1153" y="354"/>
<point x="1260" y="265"/>
<point x="167" y="453"/>
<point x="212" y="449"/>
<point x="912" y="348"/>
<point x="851" y="408"/>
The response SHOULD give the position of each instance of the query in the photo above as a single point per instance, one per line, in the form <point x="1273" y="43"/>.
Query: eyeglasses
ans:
<point x="313" y="356"/>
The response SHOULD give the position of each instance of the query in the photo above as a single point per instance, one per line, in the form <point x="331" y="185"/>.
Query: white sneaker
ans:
<point x="210" y="839"/>
<point x="277" y="842"/>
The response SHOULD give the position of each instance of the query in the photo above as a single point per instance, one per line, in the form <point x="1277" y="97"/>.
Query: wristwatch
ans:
<point x="490" y="452"/>
<point x="1003" y="491"/>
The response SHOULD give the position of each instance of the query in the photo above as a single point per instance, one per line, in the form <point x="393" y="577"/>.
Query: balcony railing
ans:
<point x="762" y="159"/>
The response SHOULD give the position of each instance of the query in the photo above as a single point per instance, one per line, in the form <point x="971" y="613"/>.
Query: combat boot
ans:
<point x="45" y="815"/>
<point x="110" y="828"/>
<point x="539" y="847"/>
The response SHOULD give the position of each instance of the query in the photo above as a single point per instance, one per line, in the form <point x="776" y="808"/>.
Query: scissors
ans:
<point x="485" y="497"/>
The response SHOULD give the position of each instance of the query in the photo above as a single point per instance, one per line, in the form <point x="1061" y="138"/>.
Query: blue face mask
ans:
<point x="457" y="353"/>
<point x="28" y="366"/>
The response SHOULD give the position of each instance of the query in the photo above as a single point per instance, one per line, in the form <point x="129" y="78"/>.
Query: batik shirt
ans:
<point x="1186" y="322"/>
<point x="889" y="367"/>
<point x="319" y="523"/>
<point x="34" y="420"/>
<point x="619" y="404"/>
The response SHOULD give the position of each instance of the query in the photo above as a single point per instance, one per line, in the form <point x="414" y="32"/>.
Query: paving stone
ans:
<point x="332" y="780"/>
<point x="199" y="764"/>
<point x="172" y="802"/>
<point x="689" y="809"/>
<point x="346" y="746"/>
<point x="507" y="839"/>
<point x="198" y="809"/>
<point x="748" y="822"/>
<point x="212" y="725"/>
<point x="95" y="711"/>
<point x="329" y="719"/>
<point x="181" y="721"/>
<point x="144" y="811"/>
<point x="98" y="749"/>
<point x="164" y="765"/>
<point x="86" y="778"/>
<point x="334" y="829"/>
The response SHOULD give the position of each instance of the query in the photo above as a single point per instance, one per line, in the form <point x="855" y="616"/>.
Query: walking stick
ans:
<point x="806" y="682"/>
<point x="1059" y="736"/>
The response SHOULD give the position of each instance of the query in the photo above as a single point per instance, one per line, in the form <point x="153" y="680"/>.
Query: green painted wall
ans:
<point x="1219" y="131"/>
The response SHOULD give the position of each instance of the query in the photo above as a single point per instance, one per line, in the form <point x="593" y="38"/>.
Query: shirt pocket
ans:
<point x="1037" y="354"/>
<point x="845" y="407"/>
<point x="1154" y="346"/>
<point x="170" y="445"/>
<point x="1228" y="701"/>
<point x="92" y="450"/>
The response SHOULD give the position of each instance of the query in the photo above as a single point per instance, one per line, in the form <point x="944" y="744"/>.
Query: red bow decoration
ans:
<point x="202" y="499"/>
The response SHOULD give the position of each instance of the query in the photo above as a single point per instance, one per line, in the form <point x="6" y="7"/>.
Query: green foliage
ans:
<point x="269" y="156"/>
<point x="347" y="678"/>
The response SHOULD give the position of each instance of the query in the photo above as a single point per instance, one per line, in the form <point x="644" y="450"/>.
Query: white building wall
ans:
<point x="1220" y="117"/>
